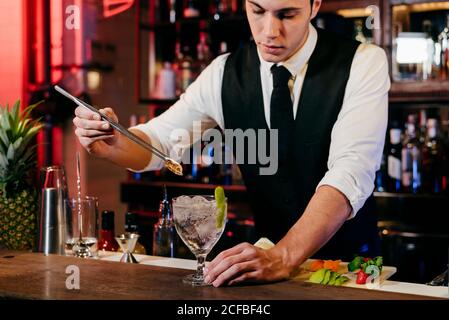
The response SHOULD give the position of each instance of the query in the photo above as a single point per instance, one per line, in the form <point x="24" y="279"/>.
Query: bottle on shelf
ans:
<point x="429" y="64"/>
<point x="185" y="68"/>
<point x="172" y="11"/>
<point x="223" y="47"/>
<point x="443" y="40"/>
<point x="422" y="132"/>
<point x="204" y="56"/>
<point x="179" y="57"/>
<point x="222" y="8"/>
<point x="107" y="240"/>
<point x="411" y="160"/>
<point x="166" y="82"/>
<point x="381" y="175"/>
<point x="394" y="161"/>
<point x="446" y="157"/>
<point x="131" y="226"/>
<point x="164" y="232"/>
<point x="191" y="9"/>
<point x="434" y="160"/>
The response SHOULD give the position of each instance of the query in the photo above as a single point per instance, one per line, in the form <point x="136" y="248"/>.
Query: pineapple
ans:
<point x="18" y="200"/>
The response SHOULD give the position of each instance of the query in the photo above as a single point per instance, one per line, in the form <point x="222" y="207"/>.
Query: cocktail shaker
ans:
<point x="51" y="237"/>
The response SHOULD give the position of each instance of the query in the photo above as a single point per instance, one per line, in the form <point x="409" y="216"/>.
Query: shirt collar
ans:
<point x="296" y="62"/>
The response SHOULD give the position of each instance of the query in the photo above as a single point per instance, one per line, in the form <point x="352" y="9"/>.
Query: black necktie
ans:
<point x="281" y="110"/>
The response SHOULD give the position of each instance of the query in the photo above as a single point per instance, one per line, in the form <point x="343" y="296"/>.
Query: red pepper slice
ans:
<point x="361" y="277"/>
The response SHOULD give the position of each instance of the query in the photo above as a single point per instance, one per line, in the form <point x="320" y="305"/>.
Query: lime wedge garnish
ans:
<point x="220" y="200"/>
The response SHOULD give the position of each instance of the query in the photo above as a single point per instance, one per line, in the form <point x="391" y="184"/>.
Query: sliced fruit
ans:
<point x="341" y="280"/>
<point x="327" y="277"/>
<point x="334" y="276"/>
<point x="318" y="276"/>
<point x="316" y="265"/>
<point x="332" y="264"/>
<point x="220" y="200"/>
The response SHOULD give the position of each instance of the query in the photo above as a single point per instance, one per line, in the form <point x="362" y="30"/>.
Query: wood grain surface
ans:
<point x="35" y="276"/>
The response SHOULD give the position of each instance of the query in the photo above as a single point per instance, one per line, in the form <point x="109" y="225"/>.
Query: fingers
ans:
<point x="91" y="124"/>
<point x="231" y="263"/>
<point x="227" y="253"/>
<point x="91" y="133"/>
<point x="83" y="113"/>
<point x="237" y="270"/>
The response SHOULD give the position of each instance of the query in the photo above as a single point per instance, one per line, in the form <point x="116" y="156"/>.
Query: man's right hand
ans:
<point x="95" y="135"/>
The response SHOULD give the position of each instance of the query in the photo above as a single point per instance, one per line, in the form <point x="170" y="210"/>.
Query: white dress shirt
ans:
<point x="358" y="135"/>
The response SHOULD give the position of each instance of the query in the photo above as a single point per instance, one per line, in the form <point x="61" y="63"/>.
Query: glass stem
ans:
<point x="201" y="261"/>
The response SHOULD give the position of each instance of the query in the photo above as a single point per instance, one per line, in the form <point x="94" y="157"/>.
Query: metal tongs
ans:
<point x="171" y="164"/>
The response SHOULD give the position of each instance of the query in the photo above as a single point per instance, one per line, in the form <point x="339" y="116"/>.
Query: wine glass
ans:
<point x="199" y="222"/>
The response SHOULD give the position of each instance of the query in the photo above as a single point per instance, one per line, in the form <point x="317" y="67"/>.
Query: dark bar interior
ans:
<point x="138" y="57"/>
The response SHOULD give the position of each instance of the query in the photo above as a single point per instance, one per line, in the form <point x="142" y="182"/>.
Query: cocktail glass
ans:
<point x="200" y="224"/>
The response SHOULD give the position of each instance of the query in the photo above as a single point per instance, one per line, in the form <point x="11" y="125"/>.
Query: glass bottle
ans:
<point x="394" y="161"/>
<point x="443" y="38"/>
<point x="381" y="175"/>
<point x="204" y="55"/>
<point x="428" y="65"/>
<point x="433" y="159"/>
<point x="107" y="240"/>
<point x="191" y="9"/>
<point x="132" y="227"/>
<point x="179" y="57"/>
<point x="164" y="233"/>
<point x="411" y="161"/>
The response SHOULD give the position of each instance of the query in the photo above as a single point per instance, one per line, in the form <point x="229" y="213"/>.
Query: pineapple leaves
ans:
<point x="14" y="116"/>
<point x="4" y="121"/>
<point x="10" y="153"/>
<point x="30" y="108"/>
<point x="17" y="148"/>
<point x="3" y="162"/>
<point x="3" y="137"/>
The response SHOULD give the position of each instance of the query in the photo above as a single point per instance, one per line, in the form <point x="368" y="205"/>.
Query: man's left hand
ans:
<point x="246" y="263"/>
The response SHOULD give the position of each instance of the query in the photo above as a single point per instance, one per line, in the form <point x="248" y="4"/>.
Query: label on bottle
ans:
<point x="406" y="179"/>
<point x="394" y="167"/>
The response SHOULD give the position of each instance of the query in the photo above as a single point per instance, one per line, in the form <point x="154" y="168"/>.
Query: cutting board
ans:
<point x="386" y="273"/>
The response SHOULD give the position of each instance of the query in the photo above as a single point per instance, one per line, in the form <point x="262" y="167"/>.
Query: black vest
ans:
<point x="279" y="200"/>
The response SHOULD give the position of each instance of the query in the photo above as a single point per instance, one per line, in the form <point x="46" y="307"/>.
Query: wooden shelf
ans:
<point x="419" y="91"/>
<point x="189" y="21"/>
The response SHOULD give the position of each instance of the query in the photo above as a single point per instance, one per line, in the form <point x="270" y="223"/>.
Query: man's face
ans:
<point x="280" y="27"/>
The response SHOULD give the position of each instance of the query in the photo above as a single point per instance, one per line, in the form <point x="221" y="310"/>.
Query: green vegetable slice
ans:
<point x="318" y="276"/>
<point x="220" y="200"/>
<point x="355" y="264"/>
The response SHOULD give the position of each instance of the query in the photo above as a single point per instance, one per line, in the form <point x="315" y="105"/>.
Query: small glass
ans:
<point x="82" y="227"/>
<point x="200" y="224"/>
<point x="127" y="243"/>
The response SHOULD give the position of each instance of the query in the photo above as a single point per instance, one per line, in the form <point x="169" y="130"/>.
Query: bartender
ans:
<point x="328" y="98"/>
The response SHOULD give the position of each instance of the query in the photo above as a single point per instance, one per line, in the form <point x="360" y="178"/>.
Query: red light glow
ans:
<point x="113" y="7"/>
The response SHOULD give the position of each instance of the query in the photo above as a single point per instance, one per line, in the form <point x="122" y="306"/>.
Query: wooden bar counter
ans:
<point x="26" y="275"/>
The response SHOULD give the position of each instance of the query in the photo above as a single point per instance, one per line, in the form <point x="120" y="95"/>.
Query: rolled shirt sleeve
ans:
<point x="173" y="132"/>
<point x="358" y="136"/>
